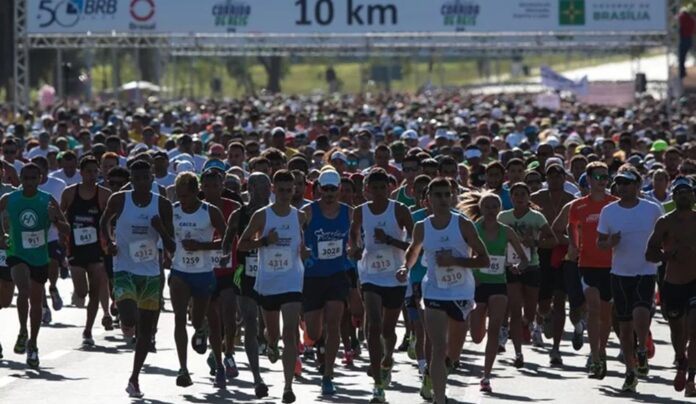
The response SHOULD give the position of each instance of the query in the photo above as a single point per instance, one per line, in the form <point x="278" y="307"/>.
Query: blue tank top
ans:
<point x="418" y="271"/>
<point x="328" y="240"/>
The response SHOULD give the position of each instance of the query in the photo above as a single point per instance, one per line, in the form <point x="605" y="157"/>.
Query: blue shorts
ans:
<point x="202" y="284"/>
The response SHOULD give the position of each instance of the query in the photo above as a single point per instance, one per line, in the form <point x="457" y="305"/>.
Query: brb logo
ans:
<point x="142" y="10"/>
<point x="67" y="13"/>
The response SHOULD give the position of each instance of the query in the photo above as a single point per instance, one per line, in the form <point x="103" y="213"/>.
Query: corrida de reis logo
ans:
<point x="231" y="14"/>
<point x="460" y="13"/>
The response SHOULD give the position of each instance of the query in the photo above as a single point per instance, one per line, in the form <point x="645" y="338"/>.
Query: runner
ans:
<point x="223" y="302"/>
<point x="276" y="232"/>
<point x="672" y="242"/>
<point x="594" y="264"/>
<point x="83" y="204"/>
<point x="411" y="169"/>
<point x="523" y="289"/>
<point x="448" y="285"/>
<point x="142" y="219"/>
<point x="551" y="201"/>
<point x="632" y="277"/>
<point x="326" y="283"/>
<point x="192" y="277"/>
<point x="491" y="289"/>
<point x="382" y="255"/>
<point x="259" y="187"/>
<point x="28" y="214"/>
<point x="6" y="284"/>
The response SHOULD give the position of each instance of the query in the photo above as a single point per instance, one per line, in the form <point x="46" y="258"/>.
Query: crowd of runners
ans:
<point x="314" y="224"/>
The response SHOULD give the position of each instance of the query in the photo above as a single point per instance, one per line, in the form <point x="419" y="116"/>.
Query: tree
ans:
<point x="274" y="72"/>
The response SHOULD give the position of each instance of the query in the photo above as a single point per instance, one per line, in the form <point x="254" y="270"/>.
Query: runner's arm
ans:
<point x="414" y="249"/>
<point x="560" y="226"/>
<point x="547" y="239"/>
<point x="480" y="257"/>
<point x="405" y="221"/>
<point x="59" y="218"/>
<point x="166" y="232"/>
<point x="514" y="240"/>
<point x="654" y="251"/>
<point x="230" y="232"/>
<point x="66" y="198"/>
<point x="247" y="242"/>
<point x="355" y="225"/>
<point x="114" y="206"/>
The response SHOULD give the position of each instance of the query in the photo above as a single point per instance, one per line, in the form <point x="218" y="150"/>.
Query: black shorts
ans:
<point x="38" y="274"/>
<point x="316" y="292"/>
<point x="678" y="299"/>
<point x="573" y="284"/>
<point x="551" y="278"/>
<point x="246" y="287"/>
<point x="56" y="252"/>
<point x="274" y="302"/>
<point x="631" y="292"/>
<point x="529" y="277"/>
<point x="353" y="278"/>
<point x="457" y="310"/>
<point x="599" y="279"/>
<point x="84" y="256"/>
<point x="392" y="297"/>
<point x="485" y="290"/>
<point x="413" y="301"/>
<point x="223" y="282"/>
<point x="5" y="274"/>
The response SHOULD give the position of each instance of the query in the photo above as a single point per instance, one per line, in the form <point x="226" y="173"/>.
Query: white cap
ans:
<point x="409" y="135"/>
<point x="183" y="166"/>
<point x="329" y="177"/>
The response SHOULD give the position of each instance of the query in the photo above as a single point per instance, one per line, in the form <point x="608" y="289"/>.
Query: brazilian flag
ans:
<point x="572" y="12"/>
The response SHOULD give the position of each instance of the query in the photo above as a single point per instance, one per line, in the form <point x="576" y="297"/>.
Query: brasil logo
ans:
<point x="572" y="12"/>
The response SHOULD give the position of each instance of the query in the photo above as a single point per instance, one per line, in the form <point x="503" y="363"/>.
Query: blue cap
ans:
<point x="681" y="182"/>
<point x="214" y="164"/>
<point x="582" y="181"/>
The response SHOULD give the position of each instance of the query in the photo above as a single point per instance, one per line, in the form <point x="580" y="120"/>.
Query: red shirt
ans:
<point x="228" y="207"/>
<point x="583" y="218"/>
<point x="686" y="25"/>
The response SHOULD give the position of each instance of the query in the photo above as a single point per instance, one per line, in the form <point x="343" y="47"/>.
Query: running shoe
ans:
<point x="87" y="340"/>
<point x="595" y="370"/>
<point x="21" y="345"/>
<point x="680" y="378"/>
<point x="426" y="390"/>
<point x="547" y="325"/>
<point x="690" y="390"/>
<point x="327" y="386"/>
<point x="288" y="396"/>
<point x="630" y="383"/>
<point x="32" y="355"/>
<point x="107" y="323"/>
<point x="212" y="364"/>
<point x="386" y="376"/>
<point x="273" y="353"/>
<point x="650" y="345"/>
<point x="411" y="352"/>
<point x="537" y="338"/>
<point x="603" y="372"/>
<point x="578" y="332"/>
<point x="642" y="368"/>
<point x="503" y="338"/>
<point x="519" y="361"/>
<point x="298" y="367"/>
<point x="46" y="317"/>
<point x="348" y="358"/>
<point x="56" y="301"/>
<point x="231" y="371"/>
<point x="1" y="352"/>
<point x="128" y="332"/>
<point x="403" y="347"/>
<point x="260" y="389"/>
<point x="555" y="358"/>
<point x="199" y="341"/>
<point x="133" y="389"/>
<point x="220" y="379"/>
<point x="378" y="395"/>
<point x="485" y="385"/>
<point x="183" y="379"/>
<point x="153" y="345"/>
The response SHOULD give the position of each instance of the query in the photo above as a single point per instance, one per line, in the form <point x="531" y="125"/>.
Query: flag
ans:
<point x="571" y="12"/>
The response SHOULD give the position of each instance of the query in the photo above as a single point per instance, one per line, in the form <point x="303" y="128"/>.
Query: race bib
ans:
<point x="513" y="258"/>
<point x="278" y="259"/>
<point x="143" y="250"/>
<point x="3" y="258"/>
<point x="215" y="257"/>
<point x="381" y="261"/>
<point x="331" y="249"/>
<point x="85" y="235"/>
<point x="191" y="259"/>
<point x="497" y="266"/>
<point x="33" y="239"/>
<point x="448" y="277"/>
<point x="252" y="265"/>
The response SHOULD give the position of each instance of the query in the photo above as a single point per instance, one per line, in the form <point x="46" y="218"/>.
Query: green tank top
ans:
<point x="497" y="248"/>
<point x="28" y="220"/>
<point x="405" y="199"/>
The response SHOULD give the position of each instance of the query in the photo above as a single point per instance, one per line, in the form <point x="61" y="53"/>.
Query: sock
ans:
<point x="421" y="364"/>
<point x="692" y="373"/>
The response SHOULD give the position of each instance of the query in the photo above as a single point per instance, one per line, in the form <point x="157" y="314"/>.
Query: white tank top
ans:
<point x="446" y="283"/>
<point x="280" y="266"/>
<point x="192" y="226"/>
<point x="379" y="261"/>
<point x="136" y="238"/>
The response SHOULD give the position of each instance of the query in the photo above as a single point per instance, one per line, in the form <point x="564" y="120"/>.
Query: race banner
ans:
<point x="343" y="16"/>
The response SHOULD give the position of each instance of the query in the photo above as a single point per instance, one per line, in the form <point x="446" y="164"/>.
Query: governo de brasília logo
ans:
<point x="231" y="13"/>
<point x="29" y="219"/>
<point x="67" y="13"/>
<point x="460" y="12"/>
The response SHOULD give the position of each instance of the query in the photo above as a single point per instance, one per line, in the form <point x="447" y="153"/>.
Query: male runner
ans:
<point x="6" y="284"/>
<point x="384" y="223"/>
<point x="673" y="241"/>
<point x="142" y="219"/>
<point x="83" y="204"/>
<point x="276" y="231"/>
<point x="411" y="169"/>
<point x="632" y="277"/>
<point x="27" y="215"/>
<point x="326" y="284"/>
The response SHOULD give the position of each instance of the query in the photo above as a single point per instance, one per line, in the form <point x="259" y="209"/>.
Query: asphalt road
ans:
<point x="70" y="374"/>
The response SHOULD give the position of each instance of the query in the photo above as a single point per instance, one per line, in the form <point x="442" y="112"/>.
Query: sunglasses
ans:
<point x="529" y="182"/>
<point x="622" y="181"/>
<point x="353" y="163"/>
<point x="329" y="188"/>
<point x="443" y="195"/>
<point x="410" y="169"/>
<point x="601" y="177"/>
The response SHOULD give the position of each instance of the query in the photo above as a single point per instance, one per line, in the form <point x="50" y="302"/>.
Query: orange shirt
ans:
<point x="583" y="218"/>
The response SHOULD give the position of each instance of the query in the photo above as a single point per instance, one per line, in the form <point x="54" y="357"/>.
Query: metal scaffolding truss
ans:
<point x="494" y="44"/>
